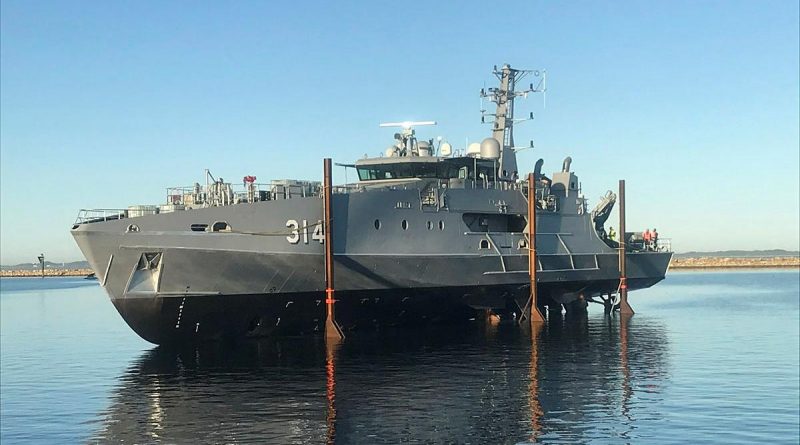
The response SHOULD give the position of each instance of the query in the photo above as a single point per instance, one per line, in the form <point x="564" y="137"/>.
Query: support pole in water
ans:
<point x="535" y="315"/>
<point x="332" y="329"/>
<point x="624" y="307"/>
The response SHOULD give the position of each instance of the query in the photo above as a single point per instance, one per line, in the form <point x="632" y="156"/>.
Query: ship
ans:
<point x="428" y="234"/>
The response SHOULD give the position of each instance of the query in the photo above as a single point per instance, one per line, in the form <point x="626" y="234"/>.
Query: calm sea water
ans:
<point x="711" y="357"/>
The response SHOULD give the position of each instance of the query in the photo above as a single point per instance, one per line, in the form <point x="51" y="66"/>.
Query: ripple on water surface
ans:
<point x="709" y="357"/>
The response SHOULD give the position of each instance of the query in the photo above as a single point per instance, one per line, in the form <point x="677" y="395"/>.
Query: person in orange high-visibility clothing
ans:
<point x="646" y="236"/>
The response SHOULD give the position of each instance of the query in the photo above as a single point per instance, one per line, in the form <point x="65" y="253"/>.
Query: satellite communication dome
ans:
<point x="490" y="149"/>
<point x="474" y="150"/>
<point x="446" y="149"/>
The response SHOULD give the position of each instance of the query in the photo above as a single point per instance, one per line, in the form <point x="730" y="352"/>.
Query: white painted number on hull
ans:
<point x="318" y="235"/>
<point x="295" y="229"/>
<point x="294" y="238"/>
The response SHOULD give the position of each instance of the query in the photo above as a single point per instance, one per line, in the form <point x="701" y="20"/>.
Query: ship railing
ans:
<point x="86" y="216"/>
<point x="219" y="194"/>
<point x="636" y="243"/>
<point x="487" y="183"/>
<point x="663" y="245"/>
<point x="433" y="183"/>
<point x="344" y="189"/>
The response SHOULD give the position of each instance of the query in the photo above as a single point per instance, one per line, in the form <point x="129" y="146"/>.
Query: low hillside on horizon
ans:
<point x="48" y="265"/>
<point x="775" y="253"/>
<point x="739" y="254"/>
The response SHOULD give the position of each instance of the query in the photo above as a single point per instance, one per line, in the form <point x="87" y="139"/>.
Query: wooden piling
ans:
<point x="535" y="316"/>
<point x="332" y="329"/>
<point x="624" y="307"/>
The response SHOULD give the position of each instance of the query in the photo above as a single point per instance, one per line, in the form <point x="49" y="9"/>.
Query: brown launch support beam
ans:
<point x="535" y="315"/>
<point x="332" y="329"/>
<point x="624" y="307"/>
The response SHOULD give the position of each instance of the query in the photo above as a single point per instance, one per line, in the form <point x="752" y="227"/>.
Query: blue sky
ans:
<point x="105" y="104"/>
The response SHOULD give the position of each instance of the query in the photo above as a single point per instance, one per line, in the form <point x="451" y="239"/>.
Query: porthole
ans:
<point x="484" y="244"/>
<point x="404" y="225"/>
<point x="377" y="224"/>
<point x="220" y="226"/>
<point x="132" y="228"/>
<point x="430" y="225"/>
<point x="441" y="225"/>
<point x="198" y="227"/>
<point x="254" y="324"/>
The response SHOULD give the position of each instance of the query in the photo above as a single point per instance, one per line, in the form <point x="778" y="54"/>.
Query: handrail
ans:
<point x="637" y="244"/>
<point x="99" y="215"/>
<point x="663" y="245"/>
<point x="226" y="193"/>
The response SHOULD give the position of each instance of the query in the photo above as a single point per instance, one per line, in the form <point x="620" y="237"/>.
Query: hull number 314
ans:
<point x="298" y="230"/>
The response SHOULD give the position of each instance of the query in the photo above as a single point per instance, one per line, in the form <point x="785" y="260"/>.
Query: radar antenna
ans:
<point x="407" y="125"/>
<point x="406" y="141"/>
<point x="503" y="118"/>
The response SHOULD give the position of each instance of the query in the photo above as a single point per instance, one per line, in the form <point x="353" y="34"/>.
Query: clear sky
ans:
<point x="105" y="104"/>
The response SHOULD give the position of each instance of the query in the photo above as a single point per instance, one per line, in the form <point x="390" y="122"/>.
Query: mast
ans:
<point x="503" y="128"/>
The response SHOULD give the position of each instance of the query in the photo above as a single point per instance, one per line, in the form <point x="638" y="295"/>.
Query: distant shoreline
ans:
<point x="676" y="264"/>
<point x="735" y="263"/>
<point x="47" y="273"/>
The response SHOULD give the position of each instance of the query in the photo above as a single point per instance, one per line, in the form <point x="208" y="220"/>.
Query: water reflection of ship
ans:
<point x="431" y="386"/>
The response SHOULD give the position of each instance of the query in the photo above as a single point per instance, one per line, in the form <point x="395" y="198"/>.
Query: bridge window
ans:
<point x="522" y="244"/>
<point x="132" y="228"/>
<point x="484" y="244"/>
<point x="441" y="170"/>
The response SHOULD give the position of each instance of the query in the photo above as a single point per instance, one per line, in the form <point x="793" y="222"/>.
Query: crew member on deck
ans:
<point x="612" y="234"/>
<point x="654" y="239"/>
<point x="646" y="236"/>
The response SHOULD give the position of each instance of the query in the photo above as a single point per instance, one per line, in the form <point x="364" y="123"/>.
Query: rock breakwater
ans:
<point x="738" y="263"/>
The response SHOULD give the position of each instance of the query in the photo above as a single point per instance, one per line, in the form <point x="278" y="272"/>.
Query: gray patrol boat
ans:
<point x="428" y="233"/>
